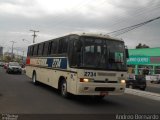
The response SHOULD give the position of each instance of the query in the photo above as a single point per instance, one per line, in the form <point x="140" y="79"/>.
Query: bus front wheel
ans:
<point x="99" y="97"/>
<point x="34" y="78"/>
<point x="63" y="87"/>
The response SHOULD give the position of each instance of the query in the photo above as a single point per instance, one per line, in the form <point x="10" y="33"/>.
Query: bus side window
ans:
<point x="32" y="51"/>
<point x="54" y="47"/>
<point x="49" y="48"/>
<point x="35" y="50"/>
<point x="71" y="53"/>
<point x="40" y="49"/>
<point x="45" y="49"/>
<point x="28" y="52"/>
<point x="74" y="53"/>
<point x="62" y="46"/>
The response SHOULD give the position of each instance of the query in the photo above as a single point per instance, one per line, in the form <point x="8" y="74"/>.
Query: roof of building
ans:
<point x="144" y="56"/>
<point x="145" y="52"/>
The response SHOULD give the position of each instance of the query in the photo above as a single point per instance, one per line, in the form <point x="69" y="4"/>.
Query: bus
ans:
<point x="80" y="64"/>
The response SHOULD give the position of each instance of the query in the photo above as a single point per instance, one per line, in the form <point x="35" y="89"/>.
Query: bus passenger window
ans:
<point x="54" y="47"/>
<point x="45" y="49"/>
<point x="40" y="49"/>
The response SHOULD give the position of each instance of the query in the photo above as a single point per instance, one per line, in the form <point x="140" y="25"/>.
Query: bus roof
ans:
<point x="97" y="35"/>
<point x="85" y="34"/>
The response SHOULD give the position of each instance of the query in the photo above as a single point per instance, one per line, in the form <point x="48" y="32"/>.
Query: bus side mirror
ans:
<point x="127" y="53"/>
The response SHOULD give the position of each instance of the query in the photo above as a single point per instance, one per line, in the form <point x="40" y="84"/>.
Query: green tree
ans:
<point x="142" y="46"/>
<point x="7" y="58"/>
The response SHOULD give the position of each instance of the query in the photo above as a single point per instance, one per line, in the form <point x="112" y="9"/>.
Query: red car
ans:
<point x="5" y="65"/>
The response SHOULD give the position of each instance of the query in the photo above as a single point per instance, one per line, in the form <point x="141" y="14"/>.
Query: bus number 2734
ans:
<point x="90" y="74"/>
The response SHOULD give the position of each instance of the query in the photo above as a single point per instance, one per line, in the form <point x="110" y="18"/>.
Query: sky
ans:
<point x="55" y="18"/>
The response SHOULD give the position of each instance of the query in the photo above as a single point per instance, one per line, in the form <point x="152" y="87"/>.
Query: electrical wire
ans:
<point x="127" y="29"/>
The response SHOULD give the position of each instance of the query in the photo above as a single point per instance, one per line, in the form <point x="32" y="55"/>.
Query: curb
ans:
<point x="149" y="95"/>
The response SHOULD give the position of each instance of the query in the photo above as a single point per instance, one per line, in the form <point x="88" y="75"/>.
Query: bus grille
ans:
<point x="105" y="81"/>
<point x="104" y="89"/>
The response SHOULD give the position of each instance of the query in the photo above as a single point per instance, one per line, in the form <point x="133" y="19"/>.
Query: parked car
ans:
<point x="155" y="78"/>
<point x="1" y="64"/>
<point x="137" y="81"/>
<point x="14" y="67"/>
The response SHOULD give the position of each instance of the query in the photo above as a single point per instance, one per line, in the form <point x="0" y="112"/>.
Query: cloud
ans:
<point x="55" y="18"/>
<point x="20" y="7"/>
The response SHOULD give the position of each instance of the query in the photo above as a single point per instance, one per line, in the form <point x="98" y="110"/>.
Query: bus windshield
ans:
<point x="104" y="54"/>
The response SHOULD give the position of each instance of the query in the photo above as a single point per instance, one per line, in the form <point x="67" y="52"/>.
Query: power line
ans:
<point x="127" y="29"/>
<point x="137" y="12"/>
<point x="152" y="6"/>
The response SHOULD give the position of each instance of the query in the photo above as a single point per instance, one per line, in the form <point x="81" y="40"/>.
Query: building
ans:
<point x="1" y="51"/>
<point x="144" y="59"/>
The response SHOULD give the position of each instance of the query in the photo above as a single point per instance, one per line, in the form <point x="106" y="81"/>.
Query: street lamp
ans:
<point x="25" y="40"/>
<point x="12" y="47"/>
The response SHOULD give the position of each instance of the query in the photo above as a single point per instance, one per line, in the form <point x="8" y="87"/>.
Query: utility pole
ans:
<point x="12" y="47"/>
<point x="22" y="56"/>
<point x="23" y="52"/>
<point x="34" y="35"/>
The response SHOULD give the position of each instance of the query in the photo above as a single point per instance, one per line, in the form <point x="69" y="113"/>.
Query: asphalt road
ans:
<point x="18" y="95"/>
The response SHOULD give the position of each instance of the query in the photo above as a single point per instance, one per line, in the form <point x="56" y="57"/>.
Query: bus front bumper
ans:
<point x="100" y="89"/>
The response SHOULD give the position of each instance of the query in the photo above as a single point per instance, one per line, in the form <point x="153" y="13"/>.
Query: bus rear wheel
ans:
<point x="63" y="89"/>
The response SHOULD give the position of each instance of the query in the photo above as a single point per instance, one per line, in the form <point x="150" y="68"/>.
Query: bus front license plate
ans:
<point x="103" y="93"/>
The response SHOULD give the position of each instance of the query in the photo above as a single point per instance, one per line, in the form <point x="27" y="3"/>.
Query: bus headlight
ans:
<point x="86" y="80"/>
<point x="123" y="81"/>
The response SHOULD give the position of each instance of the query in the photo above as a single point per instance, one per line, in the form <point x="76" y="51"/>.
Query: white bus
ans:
<point x="80" y="64"/>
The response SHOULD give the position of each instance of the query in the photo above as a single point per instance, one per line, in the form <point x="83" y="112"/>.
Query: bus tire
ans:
<point x="99" y="97"/>
<point x="34" y="78"/>
<point x="63" y="89"/>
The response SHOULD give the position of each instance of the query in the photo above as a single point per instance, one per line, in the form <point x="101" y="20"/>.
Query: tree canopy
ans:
<point x="142" y="46"/>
